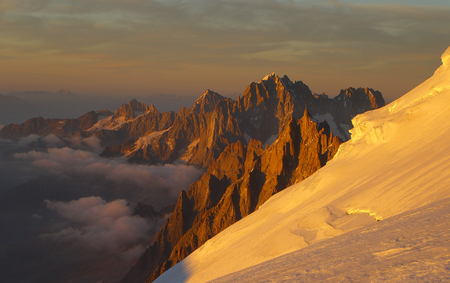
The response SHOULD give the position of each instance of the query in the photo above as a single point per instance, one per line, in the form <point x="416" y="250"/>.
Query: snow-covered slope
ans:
<point x="397" y="160"/>
<point x="410" y="247"/>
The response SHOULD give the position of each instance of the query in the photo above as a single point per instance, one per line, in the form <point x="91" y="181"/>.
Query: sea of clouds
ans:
<point x="96" y="228"/>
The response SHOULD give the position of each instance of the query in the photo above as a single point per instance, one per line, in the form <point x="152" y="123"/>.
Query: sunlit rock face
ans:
<point x="237" y="183"/>
<point x="199" y="134"/>
<point x="253" y="148"/>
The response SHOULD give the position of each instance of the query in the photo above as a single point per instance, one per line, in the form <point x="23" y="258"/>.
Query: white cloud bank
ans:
<point x="91" y="144"/>
<point x="159" y="181"/>
<point x="101" y="225"/>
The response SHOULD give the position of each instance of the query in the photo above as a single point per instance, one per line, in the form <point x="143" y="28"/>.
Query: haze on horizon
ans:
<point x="137" y="47"/>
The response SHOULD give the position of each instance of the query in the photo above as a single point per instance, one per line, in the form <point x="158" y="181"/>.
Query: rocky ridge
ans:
<point x="246" y="173"/>
<point x="239" y="181"/>
<point x="199" y="134"/>
<point x="44" y="127"/>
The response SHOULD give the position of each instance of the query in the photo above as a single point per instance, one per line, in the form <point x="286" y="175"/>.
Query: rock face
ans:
<point x="199" y="134"/>
<point x="240" y="180"/>
<point x="253" y="147"/>
<point x="43" y="127"/>
<point x="131" y="121"/>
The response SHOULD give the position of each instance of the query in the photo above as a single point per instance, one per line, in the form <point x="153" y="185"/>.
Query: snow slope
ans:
<point x="145" y="141"/>
<point x="411" y="247"/>
<point x="397" y="160"/>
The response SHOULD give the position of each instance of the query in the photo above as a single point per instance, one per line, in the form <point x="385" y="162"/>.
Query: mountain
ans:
<point x="44" y="127"/>
<point x="48" y="105"/>
<point x="411" y="247"/>
<point x="131" y="120"/>
<point x="17" y="107"/>
<point x="387" y="188"/>
<point x="164" y="144"/>
<point x="199" y="134"/>
<point x="270" y="141"/>
<point x="237" y="183"/>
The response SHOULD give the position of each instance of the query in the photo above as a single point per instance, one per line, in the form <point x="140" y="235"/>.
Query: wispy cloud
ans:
<point x="160" y="185"/>
<point x="77" y="161"/>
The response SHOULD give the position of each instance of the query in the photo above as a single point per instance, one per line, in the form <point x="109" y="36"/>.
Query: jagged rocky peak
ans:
<point x="283" y="81"/>
<point x="132" y="109"/>
<point x="271" y="77"/>
<point x="272" y="88"/>
<point x="236" y="183"/>
<point x="207" y="101"/>
<point x="104" y="112"/>
<point x="368" y="97"/>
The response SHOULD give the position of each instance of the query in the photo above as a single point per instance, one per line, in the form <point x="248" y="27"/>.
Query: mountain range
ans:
<point x="275" y="135"/>
<point x="17" y="107"/>
<point x="197" y="135"/>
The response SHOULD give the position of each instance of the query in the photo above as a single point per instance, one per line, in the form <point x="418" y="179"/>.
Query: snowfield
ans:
<point x="378" y="211"/>
<point x="413" y="246"/>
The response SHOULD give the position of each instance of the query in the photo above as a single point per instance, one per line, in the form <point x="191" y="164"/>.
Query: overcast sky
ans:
<point x="123" y="47"/>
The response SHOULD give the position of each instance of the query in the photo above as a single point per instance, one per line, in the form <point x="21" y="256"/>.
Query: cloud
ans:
<point x="52" y="141"/>
<point x="133" y="253"/>
<point x="98" y="223"/>
<point x="101" y="225"/>
<point x="155" y="25"/>
<point x="25" y="141"/>
<point x="158" y="185"/>
<point x="97" y="42"/>
<point x="90" y="143"/>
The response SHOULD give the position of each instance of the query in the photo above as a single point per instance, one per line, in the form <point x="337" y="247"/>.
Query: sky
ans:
<point x="139" y="47"/>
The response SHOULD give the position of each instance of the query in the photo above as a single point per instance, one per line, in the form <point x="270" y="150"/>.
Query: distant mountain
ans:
<point x="377" y="212"/>
<point x="44" y="127"/>
<point x="15" y="110"/>
<point x="48" y="105"/>
<point x="64" y="104"/>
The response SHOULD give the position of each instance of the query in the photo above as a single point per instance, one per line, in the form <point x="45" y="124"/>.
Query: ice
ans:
<point x="144" y="141"/>
<point x="247" y="138"/>
<point x="266" y="78"/>
<point x="333" y="127"/>
<point x="270" y="140"/>
<point x="188" y="153"/>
